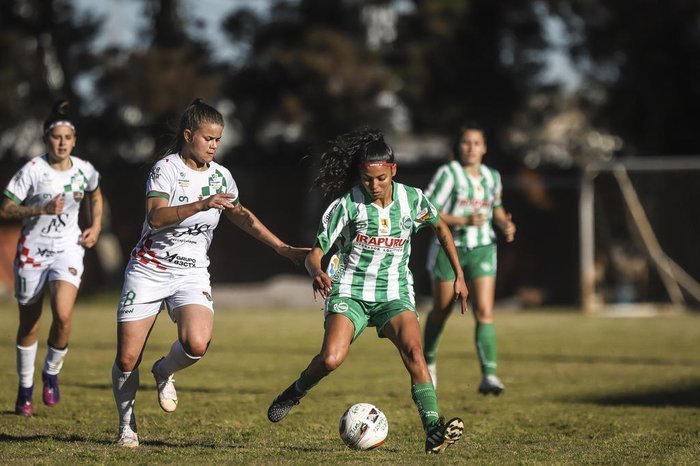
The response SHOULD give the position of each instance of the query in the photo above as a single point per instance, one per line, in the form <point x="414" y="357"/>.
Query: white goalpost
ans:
<point x="619" y="248"/>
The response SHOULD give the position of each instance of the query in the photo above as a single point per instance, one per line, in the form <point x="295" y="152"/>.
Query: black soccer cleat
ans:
<point x="283" y="404"/>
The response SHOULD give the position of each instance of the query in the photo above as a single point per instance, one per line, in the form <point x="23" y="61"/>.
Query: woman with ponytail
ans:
<point x="46" y="194"/>
<point x="186" y="193"/>
<point x="367" y="282"/>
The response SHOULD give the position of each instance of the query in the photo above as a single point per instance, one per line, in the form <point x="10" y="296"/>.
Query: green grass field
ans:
<point x="579" y="390"/>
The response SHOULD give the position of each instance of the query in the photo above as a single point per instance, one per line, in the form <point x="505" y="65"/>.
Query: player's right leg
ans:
<point x="131" y="340"/>
<point x="28" y="291"/>
<point x="337" y="338"/>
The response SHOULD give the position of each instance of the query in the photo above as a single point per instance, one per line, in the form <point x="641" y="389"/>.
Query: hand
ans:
<point x="296" y="255"/>
<point x="321" y="285"/>
<point x="461" y="292"/>
<point x="55" y="205"/>
<point x="475" y="220"/>
<point x="509" y="229"/>
<point x="89" y="237"/>
<point x="218" y="201"/>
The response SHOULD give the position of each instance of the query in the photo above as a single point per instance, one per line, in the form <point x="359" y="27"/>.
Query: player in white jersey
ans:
<point x="46" y="193"/>
<point x="468" y="194"/>
<point x="368" y="283"/>
<point x="186" y="193"/>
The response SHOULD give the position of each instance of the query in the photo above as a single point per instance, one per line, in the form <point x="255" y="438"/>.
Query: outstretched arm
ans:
<point x="442" y="231"/>
<point x="248" y="222"/>
<point x="11" y="210"/>
<point x="94" y="205"/>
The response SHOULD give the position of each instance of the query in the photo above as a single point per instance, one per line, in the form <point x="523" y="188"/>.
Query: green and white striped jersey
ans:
<point x="373" y="243"/>
<point x="455" y="192"/>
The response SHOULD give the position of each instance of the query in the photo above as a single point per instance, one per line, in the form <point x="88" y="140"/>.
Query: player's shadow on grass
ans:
<point x="5" y="438"/>
<point x="688" y="396"/>
<point x="142" y="387"/>
<point x="590" y="359"/>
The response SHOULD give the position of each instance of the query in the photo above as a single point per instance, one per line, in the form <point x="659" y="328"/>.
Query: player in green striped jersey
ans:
<point x="468" y="194"/>
<point x="367" y="282"/>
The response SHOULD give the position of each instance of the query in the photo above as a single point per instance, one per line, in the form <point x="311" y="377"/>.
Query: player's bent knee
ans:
<point x="196" y="349"/>
<point x="332" y="361"/>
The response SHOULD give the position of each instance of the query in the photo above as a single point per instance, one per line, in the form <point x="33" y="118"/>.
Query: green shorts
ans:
<point x="477" y="262"/>
<point x="364" y="314"/>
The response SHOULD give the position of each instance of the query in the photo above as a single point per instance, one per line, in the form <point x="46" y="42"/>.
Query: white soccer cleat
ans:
<point x="432" y="368"/>
<point x="128" y="438"/>
<point x="491" y="384"/>
<point x="167" y="395"/>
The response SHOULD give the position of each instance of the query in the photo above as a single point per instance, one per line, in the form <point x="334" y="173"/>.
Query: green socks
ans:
<point x="485" y="336"/>
<point x="305" y="383"/>
<point x="431" y="341"/>
<point x="424" y="397"/>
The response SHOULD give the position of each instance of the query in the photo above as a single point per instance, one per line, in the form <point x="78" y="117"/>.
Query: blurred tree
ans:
<point x="644" y="55"/>
<point x="467" y="59"/>
<point x="308" y="76"/>
<point x="44" y="49"/>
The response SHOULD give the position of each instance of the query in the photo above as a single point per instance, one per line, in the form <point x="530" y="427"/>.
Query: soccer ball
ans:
<point x="363" y="427"/>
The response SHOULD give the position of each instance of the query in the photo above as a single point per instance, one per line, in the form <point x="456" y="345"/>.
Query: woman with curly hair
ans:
<point x="367" y="281"/>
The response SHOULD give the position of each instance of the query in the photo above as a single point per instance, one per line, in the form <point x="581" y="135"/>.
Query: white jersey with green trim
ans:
<point x="36" y="183"/>
<point x="454" y="192"/>
<point x="184" y="244"/>
<point x="373" y="243"/>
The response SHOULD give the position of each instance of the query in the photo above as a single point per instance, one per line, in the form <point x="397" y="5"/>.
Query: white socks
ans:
<point x="176" y="360"/>
<point x="54" y="360"/>
<point x="124" y="386"/>
<point x="26" y="355"/>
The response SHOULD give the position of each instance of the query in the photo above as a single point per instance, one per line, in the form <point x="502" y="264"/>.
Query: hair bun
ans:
<point x="197" y="101"/>
<point x="60" y="107"/>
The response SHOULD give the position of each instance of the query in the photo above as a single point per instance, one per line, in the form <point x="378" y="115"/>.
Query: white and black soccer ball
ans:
<point x="363" y="427"/>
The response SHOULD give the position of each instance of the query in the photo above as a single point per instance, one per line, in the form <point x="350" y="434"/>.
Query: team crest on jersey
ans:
<point x="183" y="183"/>
<point x="73" y="271"/>
<point x="384" y="226"/>
<point x="406" y="222"/>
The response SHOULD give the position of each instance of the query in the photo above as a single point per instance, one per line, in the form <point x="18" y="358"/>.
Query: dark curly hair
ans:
<point x="343" y="157"/>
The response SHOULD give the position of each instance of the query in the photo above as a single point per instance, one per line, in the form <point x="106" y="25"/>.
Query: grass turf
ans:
<point x="578" y="390"/>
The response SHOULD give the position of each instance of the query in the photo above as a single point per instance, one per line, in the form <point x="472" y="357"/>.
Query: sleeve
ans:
<point x="161" y="181"/>
<point x="20" y="186"/>
<point x="231" y="187"/>
<point x="333" y="222"/>
<point x="93" y="177"/>
<point x="426" y="213"/>
<point x="497" y="190"/>
<point x="440" y="187"/>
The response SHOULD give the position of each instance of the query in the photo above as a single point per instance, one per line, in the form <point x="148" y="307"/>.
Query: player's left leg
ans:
<point x="484" y="289"/>
<point x="195" y="324"/>
<point x="63" y="295"/>
<point x="404" y="331"/>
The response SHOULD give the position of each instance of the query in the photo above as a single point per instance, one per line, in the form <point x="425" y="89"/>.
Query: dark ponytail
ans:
<point x="340" y="162"/>
<point x="195" y="115"/>
<point x="58" y="115"/>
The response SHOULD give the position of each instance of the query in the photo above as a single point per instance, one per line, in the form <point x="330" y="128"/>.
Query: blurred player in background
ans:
<point x="368" y="282"/>
<point x="186" y="193"/>
<point x="46" y="194"/>
<point x="468" y="195"/>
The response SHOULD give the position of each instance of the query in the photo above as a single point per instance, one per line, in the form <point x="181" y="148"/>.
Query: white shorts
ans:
<point x="146" y="290"/>
<point x="65" y="266"/>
